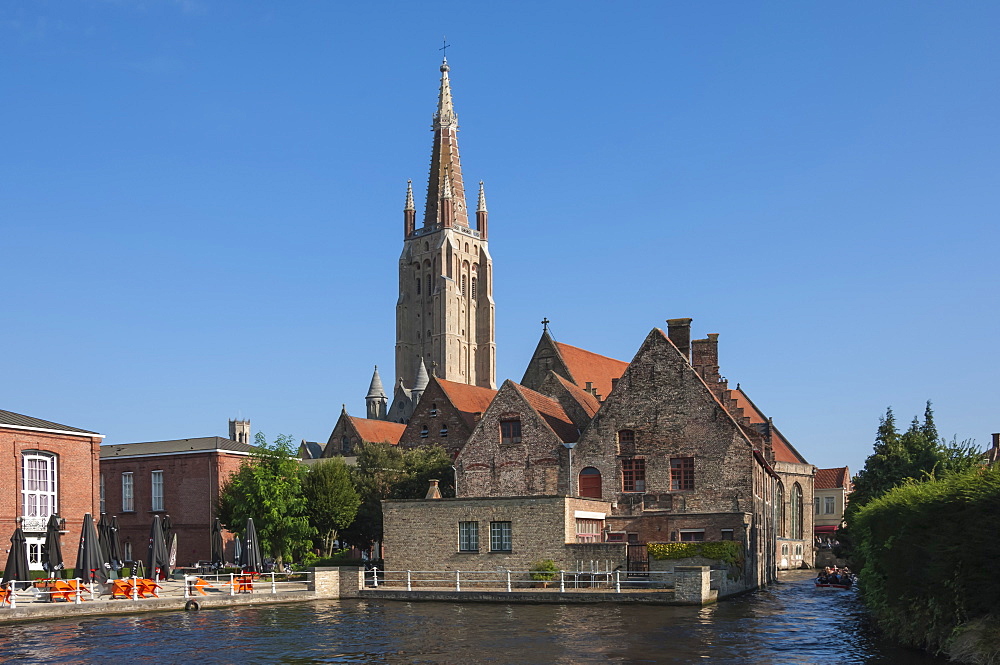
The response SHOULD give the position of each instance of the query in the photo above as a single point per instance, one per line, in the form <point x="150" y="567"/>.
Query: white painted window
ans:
<point x="468" y="536"/>
<point x="157" y="490"/>
<point x="828" y="505"/>
<point x="128" y="504"/>
<point x="500" y="537"/>
<point x="38" y="484"/>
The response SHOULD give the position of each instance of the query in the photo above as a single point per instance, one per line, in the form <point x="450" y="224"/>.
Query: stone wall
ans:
<point x="424" y="534"/>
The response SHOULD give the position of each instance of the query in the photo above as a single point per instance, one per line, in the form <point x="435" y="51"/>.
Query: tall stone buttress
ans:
<point x="445" y="312"/>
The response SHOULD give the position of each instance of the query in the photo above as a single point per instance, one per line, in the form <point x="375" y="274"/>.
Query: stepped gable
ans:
<point x="471" y="401"/>
<point x="378" y="431"/>
<point x="551" y="412"/>
<point x="585" y="366"/>
<point x="831" y="478"/>
<point x="783" y="450"/>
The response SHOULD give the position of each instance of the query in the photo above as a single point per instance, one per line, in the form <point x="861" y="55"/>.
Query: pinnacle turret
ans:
<point x="409" y="196"/>
<point x="481" y="207"/>
<point x="375" y="389"/>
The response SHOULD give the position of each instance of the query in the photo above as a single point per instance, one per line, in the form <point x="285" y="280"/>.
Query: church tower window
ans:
<point x="473" y="288"/>
<point x="463" y="286"/>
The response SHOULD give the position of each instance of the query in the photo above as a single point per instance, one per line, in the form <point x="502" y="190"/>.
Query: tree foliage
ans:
<point x="268" y="488"/>
<point x="916" y="454"/>
<point x="385" y="471"/>
<point x="332" y="500"/>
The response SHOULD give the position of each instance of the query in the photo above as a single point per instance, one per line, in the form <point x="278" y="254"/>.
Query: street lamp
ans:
<point x="569" y="447"/>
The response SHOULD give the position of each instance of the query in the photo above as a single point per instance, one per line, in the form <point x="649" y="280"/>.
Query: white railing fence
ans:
<point x="516" y="580"/>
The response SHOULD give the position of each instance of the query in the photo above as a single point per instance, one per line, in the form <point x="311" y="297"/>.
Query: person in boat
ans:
<point x="823" y="576"/>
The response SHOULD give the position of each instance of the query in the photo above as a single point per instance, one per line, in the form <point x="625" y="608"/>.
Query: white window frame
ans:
<point x="39" y="491"/>
<point x="501" y="537"/>
<point x="128" y="492"/>
<point x="156" y="493"/>
<point x="589" y="530"/>
<point x="468" y="536"/>
<point x="829" y="505"/>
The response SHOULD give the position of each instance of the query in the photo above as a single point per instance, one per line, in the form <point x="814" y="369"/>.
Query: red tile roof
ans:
<point x="378" y="431"/>
<point x="552" y="412"/>
<point x="832" y="478"/>
<point x="586" y="400"/>
<point x="586" y="366"/>
<point x="470" y="400"/>
<point x="783" y="450"/>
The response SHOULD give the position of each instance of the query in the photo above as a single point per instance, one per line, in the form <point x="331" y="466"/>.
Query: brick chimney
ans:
<point x="705" y="358"/>
<point x="679" y="332"/>
<point x="433" y="492"/>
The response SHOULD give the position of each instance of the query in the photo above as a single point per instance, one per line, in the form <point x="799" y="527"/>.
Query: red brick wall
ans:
<point x="191" y="484"/>
<point x="76" y="482"/>
<point x="447" y="414"/>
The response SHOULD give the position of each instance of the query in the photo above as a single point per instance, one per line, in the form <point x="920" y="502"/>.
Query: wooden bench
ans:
<point x="60" y="589"/>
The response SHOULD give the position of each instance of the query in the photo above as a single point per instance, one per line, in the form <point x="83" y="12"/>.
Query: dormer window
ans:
<point x="423" y="432"/>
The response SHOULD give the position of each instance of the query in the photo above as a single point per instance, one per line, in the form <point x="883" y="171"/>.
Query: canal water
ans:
<point x="791" y="622"/>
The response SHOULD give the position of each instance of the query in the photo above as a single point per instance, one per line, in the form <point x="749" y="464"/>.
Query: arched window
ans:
<point x="473" y="288"/>
<point x="463" y="286"/>
<point x="418" y="286"/>
<point x="426" y="246"/>
<point x="345" y="445"/>
<point x="444" y="431"/>
<point x="779" y="511"/>
<point x="796" y="525"/>
<point x="466" y="247"/>
<point x="590" y="483"/>
<point x="423" y="432"/>
<point x="38" y="484"/>
<point x="428" y="280"/>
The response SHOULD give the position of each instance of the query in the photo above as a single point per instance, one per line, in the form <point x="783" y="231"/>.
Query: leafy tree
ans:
<point x="385" y="471"/>
<point x="268" y="488"/>
<point x="331" y="498"/>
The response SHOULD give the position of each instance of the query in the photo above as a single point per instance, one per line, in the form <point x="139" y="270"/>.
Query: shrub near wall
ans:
<point x="929" y="554"/>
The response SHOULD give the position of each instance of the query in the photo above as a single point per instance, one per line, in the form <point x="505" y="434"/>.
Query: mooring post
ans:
<point x="508" y="580"/>
<point x="274" y="588"/>
<point x="618" y="581"/>
<point x="458" y="580"/>
<point x="562" y="582"/>
<point x="232" y="585"/>
<point x="79" y="600"/>
<point x="409" y="585"/>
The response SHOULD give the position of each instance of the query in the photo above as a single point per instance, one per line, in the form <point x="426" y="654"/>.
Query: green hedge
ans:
<point x="928" y="554"/>
<point x="728" y="551"/>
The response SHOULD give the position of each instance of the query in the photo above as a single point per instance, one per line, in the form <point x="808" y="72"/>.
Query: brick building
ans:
<point x="350" y="431"/>
<point x="446" y="414"/>
<point x="179" y="478"/>
<point x="51" y="469"/>
<point x="500" y="533"/>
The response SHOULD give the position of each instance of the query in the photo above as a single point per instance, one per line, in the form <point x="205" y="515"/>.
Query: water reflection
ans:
<point x="788" y="623"/>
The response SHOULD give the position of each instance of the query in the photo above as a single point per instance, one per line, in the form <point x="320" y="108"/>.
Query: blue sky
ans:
<point x="201" y="201"/>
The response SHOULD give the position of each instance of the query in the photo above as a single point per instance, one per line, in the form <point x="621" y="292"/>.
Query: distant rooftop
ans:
<point x="27" y="422"/>
<point x="177" y="446"/>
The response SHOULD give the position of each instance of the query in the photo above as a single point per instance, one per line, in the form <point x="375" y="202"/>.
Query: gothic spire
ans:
<point x="482" y="198"/>
<point x="375" y="389"/>
<point x="446" y="168"/>
<point x="409" y="196"/>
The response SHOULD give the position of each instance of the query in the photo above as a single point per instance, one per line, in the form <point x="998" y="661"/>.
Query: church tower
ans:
<point x="239" y="431"/>
<point x="445" y="311"/>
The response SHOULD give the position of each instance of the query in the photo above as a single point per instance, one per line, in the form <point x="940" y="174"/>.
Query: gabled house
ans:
<point x="446" y="415"/>
<point x="350" y="431"/>
<point x="830" y="502"/>
<point x="518" y="446"/>
<point x="594" y="373"/>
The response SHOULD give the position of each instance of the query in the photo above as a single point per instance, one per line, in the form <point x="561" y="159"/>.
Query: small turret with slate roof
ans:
<point x="376" y="399"/>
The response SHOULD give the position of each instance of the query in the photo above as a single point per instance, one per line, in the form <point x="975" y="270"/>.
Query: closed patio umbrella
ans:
<point x="237" y="551"/>
<point x="17" y="560"/>
<point x="218" y="547"/>
<point x="156" y="558"/>
<point x="89" y="560"/>
<point x="52" y="558"/>
<point x="115" y="546"/>
<point x="251" y="549"/>
<point x="103" y="527"/>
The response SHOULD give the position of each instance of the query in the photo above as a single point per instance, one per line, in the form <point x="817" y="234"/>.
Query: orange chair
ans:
<point x="147" y="588"/>
<point x="198" y="585"/>
<point x="121" y="588"/>
<point x="4" y="597"/>
<point x="243" y="583"/>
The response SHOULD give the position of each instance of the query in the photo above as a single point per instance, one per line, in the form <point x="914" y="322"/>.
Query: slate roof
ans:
<point x="470" y="400"/>
<point x="378" y="431"/>
<point x="587" y="366"/>
<point x="311" y="449"/>
<point x="18" y="420"/>
<point x="552" y="412"/>
<point x="784" y="451"/>
<point x="176" y="446"/>
<point x="832" y="478"/>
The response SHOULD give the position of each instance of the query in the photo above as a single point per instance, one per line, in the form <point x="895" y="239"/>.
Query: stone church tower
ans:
<point x="445" y="311"/>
